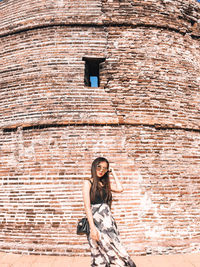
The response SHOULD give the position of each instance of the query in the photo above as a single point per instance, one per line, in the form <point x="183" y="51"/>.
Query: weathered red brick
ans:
<point x="144" y="118"/>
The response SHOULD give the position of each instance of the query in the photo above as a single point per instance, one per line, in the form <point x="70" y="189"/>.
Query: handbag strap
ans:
<point x="98" y="208"/>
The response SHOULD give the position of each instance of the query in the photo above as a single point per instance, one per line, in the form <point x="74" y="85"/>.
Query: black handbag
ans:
<point x="83" y="226"/>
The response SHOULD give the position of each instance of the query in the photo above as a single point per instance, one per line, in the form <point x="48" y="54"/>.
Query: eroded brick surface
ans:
<point x="144" y="118"/>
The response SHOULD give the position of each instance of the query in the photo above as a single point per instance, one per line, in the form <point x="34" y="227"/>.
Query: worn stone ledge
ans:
<point x="194" y="32"/>
<point x="109" y="122"/>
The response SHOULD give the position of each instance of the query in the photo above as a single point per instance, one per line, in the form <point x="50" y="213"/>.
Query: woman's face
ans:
<point x="101" y="169"/>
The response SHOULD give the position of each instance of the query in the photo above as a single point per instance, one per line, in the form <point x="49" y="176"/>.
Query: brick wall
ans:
<point x="144" y="118"/>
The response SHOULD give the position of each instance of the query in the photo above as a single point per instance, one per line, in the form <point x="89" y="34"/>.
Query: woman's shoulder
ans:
<point x="88" y="181"/>
<point x="86" y="185"/>
<point x="91" y="180"/>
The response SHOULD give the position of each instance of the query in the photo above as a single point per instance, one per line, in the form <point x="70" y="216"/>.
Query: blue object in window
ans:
<point x="92" y="67"/>
<point x="94" y="81"/>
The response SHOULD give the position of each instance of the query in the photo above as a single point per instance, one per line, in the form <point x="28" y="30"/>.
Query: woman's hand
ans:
<point x="94" y="234"/>
<point x="111" y="170"/>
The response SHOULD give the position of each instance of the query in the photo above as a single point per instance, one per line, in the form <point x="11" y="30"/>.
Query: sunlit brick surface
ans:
<point x="144" y="118"/>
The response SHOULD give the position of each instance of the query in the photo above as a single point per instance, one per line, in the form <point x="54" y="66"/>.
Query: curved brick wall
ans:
<point x="144" y="118"/>
<point x="180" y="15"/>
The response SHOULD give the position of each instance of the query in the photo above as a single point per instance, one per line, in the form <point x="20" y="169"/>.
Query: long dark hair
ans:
<point x="104" y="179"/>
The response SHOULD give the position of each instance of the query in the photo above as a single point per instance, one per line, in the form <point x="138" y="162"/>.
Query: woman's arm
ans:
<point x="117" y="187"/>
<point x="86" y="198"/>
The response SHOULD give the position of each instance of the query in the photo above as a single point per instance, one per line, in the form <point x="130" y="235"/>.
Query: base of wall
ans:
<point x="18" y="260"/>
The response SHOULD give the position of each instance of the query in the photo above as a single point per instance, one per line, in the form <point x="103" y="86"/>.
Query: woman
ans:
<point x="104" y="241"/>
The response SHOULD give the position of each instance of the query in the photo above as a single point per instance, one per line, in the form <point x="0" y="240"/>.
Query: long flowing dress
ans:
<point x="108" y="251"/>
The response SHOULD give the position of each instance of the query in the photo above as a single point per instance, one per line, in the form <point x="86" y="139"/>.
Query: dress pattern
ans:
<point x="108" y="251"/>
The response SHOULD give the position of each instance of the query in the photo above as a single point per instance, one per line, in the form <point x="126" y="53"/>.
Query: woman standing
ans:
<point x="104" y="241"/>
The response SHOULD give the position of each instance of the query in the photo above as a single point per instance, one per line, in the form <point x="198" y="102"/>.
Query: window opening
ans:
<point x="94" y="81"/>
<point x="91" y="77"/>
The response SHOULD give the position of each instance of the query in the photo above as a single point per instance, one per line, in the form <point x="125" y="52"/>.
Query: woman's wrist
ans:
<point x="114" y="174"/>
<point x="92" y="227"/>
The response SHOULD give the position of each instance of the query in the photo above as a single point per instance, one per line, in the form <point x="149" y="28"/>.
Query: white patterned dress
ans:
<point x="108" y="251"/>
